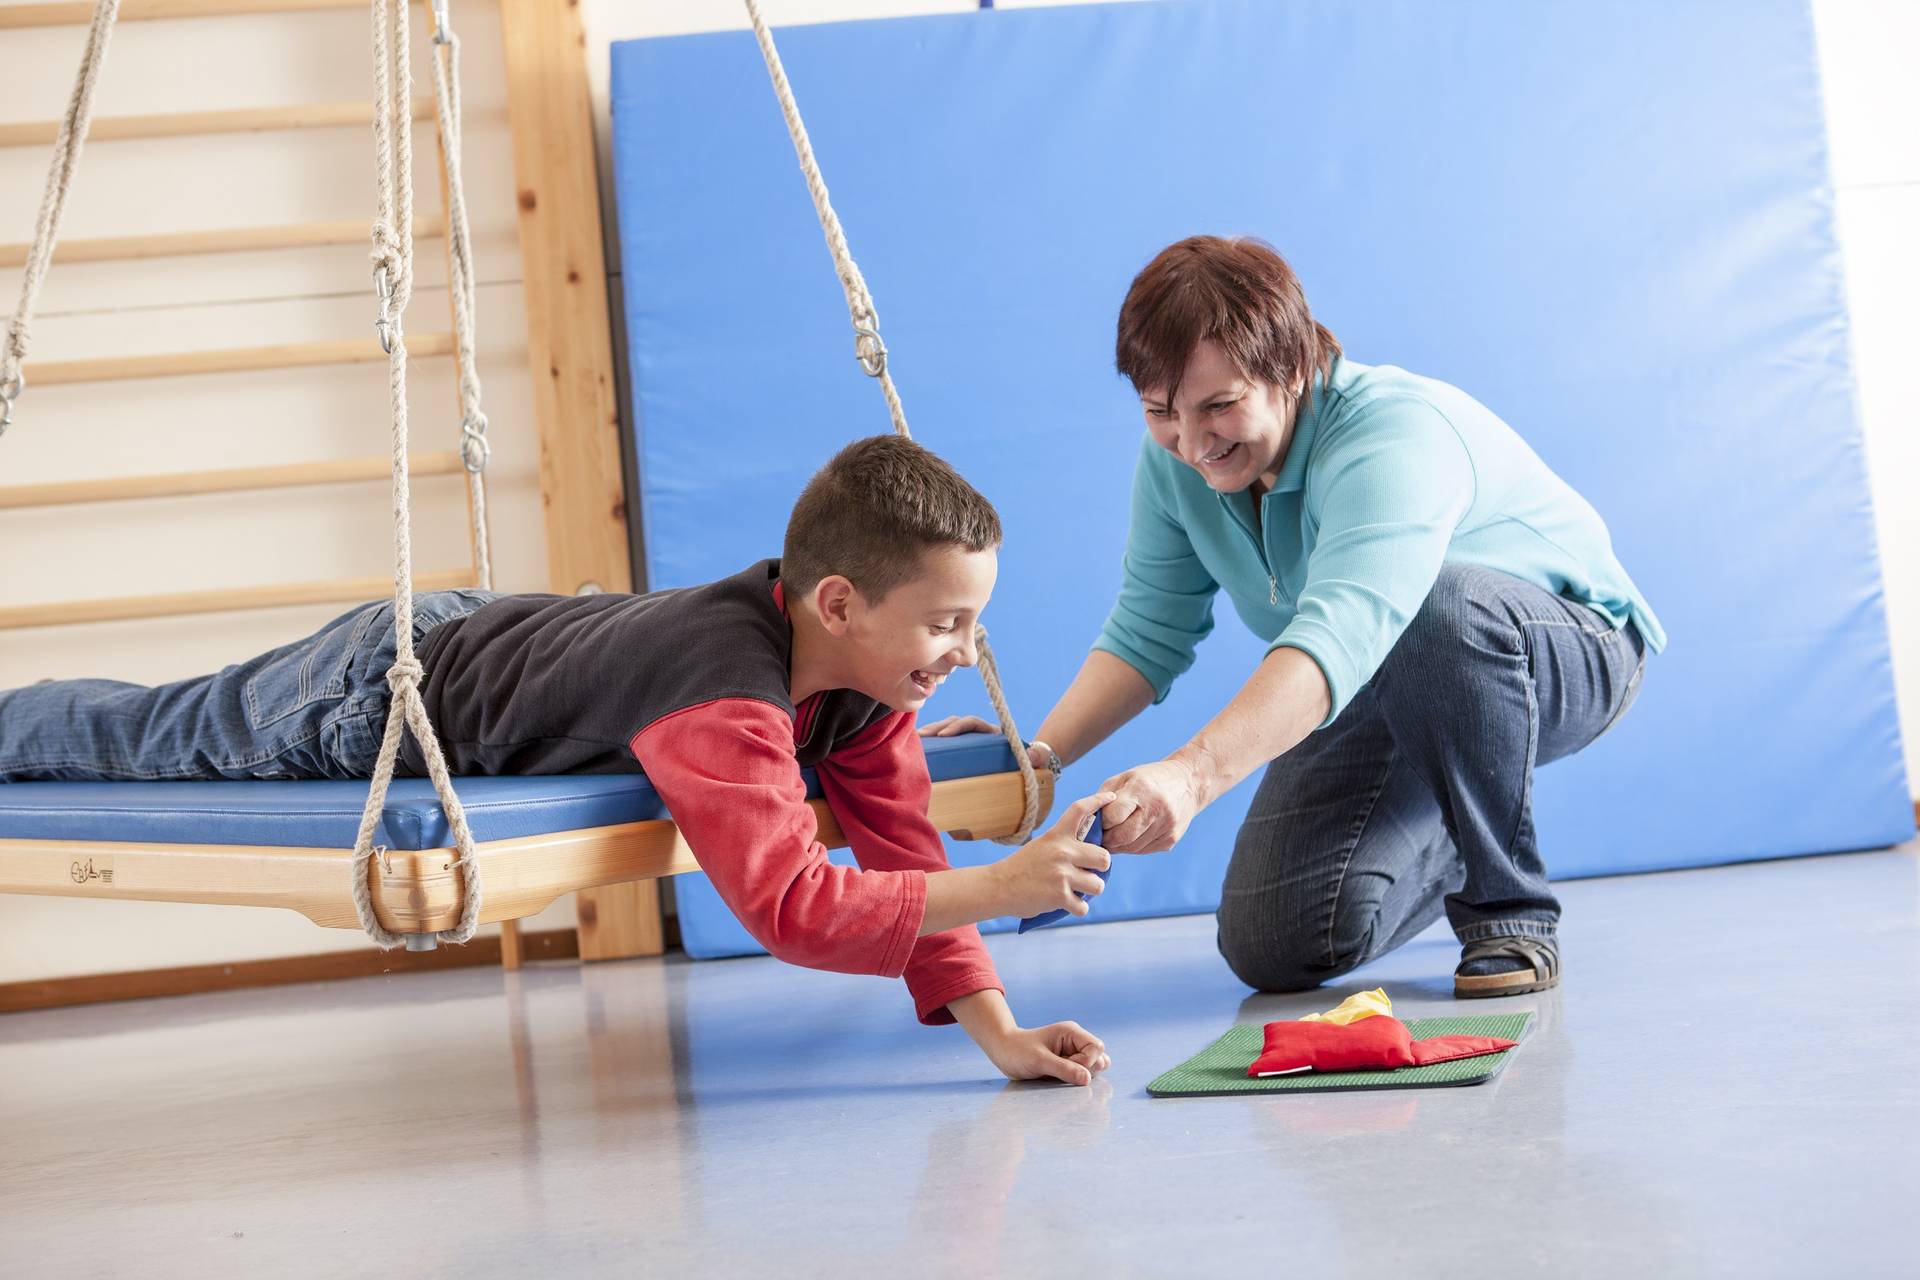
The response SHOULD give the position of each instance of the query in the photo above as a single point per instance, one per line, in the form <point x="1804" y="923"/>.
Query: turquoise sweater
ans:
<point x="1388" y="476"/>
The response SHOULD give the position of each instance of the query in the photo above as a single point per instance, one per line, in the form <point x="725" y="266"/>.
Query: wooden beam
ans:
<point x="78" y="13"/>
<point x="570" y="355"/>
<point x="123" y="608"/>
<point x="239" y="479"/>
<point x="286" y="355"/>
<point x="171" y="244"/>
<point x="241" y="975"/>
<point x="357" y="113"/>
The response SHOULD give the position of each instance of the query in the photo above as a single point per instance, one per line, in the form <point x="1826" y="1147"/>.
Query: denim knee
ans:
<point x="1265" y="958"/>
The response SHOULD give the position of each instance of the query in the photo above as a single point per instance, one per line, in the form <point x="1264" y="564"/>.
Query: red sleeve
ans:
<point x="878" y="788"/>
<point x="727" y="772"/>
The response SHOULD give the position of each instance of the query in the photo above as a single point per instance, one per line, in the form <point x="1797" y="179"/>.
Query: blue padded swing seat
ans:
<point x="289" y="844"/>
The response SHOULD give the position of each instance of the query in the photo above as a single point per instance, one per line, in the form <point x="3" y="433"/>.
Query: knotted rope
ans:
<point x="872" y="354"/>
<point x="53" y="203"/>
<point x="393" y="274"/>
<point x="475" y="451"/>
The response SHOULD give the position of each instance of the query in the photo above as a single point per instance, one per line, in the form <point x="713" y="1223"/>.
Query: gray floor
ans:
<point x="1725" y="1085"/>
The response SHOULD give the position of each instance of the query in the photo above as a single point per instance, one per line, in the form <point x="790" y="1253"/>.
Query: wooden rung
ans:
<point x="299" y="235"/>
<point x="418" y="892"/>
<point x="238" y="479"/>
<point x="121" y="608"/>
<point x="289" y="355"/>
<point x="78" y="13"/>
<point x="192" y="124"/>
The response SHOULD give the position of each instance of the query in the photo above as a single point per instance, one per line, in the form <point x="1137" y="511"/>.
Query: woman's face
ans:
<point x="1230" y="429"/>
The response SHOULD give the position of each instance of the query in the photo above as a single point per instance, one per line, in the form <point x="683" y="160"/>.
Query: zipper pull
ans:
<point x="1273" y="590"/>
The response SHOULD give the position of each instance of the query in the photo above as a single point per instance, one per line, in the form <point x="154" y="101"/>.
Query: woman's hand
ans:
<point x="1151" y="807"/>
<point x="954" y="726"/>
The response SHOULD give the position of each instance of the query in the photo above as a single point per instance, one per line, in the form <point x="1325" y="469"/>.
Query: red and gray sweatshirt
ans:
<point x="690" y="686"/>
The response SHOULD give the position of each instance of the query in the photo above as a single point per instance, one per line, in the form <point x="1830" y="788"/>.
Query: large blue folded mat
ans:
<point x="326" y="815"/>
<point x="1612" y="225"/>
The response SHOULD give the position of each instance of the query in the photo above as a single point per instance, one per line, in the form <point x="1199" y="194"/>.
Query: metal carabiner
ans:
<point x="442" y="23"/>
<point x="869" y="350"/>
<point x="10" y="390"/>
<point x="475" y="451"/>
<point x="383" y="323"/>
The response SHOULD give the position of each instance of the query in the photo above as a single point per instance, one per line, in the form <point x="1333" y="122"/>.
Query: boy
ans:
<point x="720" y="693"/>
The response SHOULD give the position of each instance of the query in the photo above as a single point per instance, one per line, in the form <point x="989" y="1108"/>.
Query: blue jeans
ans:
<point x="312" y="709"/>
<point x="1419" y="797"/>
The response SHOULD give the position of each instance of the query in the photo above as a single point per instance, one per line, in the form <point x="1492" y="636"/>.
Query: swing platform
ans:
<point x="290" y="844"/>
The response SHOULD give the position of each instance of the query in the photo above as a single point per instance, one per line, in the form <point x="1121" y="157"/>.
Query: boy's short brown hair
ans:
<point x="1237" y="292"/>
<point x="874" y="510"/>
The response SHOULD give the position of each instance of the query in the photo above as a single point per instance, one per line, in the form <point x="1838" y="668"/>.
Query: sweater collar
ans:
<point x="1293" y="470"/>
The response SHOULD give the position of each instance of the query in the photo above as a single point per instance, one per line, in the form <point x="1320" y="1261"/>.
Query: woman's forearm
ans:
<point x="1105" y="695"/>
<point x="1284" y="701"/>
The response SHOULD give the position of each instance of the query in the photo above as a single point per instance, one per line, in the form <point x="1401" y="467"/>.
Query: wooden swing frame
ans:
<point x="570" y="353"/>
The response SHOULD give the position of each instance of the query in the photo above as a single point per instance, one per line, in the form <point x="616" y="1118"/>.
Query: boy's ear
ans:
<point x="833" y="598"/>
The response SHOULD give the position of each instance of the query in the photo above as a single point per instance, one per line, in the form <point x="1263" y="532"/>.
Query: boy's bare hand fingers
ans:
<point x="1065" y="1069"/>
<point x="1072" y="1036"/>
<point x="1079" y="815"/>
<point x="1088" y="883"/>
<point x="1092" y="857"/>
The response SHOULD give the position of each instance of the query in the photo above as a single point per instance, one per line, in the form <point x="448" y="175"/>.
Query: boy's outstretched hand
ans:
<point x="1063" y="1051"/>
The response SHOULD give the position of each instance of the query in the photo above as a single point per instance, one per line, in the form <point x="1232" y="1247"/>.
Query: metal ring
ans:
<point x="869" y="350"/>
<point x="442" y="23"/>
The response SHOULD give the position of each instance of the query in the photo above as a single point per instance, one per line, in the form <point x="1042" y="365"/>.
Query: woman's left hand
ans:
<point x="1152" y="805"/>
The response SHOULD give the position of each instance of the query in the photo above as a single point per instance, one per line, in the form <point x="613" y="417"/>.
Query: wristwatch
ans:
<point x="1055" y="764"/>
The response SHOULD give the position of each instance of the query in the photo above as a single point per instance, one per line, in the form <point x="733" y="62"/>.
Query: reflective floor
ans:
<point x="1726" y="1084"/>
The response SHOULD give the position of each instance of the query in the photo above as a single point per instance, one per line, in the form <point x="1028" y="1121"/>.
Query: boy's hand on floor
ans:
<point x="1050" y="871"/>
<point x="1063" y="1051"/>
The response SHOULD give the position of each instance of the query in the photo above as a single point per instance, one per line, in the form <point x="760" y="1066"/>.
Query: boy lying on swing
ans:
<point x="720" y="693"/>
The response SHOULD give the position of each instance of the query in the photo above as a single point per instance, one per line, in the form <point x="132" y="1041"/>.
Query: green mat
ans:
<point x="1221" y="1067"/>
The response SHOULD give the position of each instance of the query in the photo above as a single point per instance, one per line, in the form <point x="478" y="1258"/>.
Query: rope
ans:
<point x="872" y="354"/>
<point x="393" y="273"/>
<point x="475" y="451"/>
<point x="46" y="231"/>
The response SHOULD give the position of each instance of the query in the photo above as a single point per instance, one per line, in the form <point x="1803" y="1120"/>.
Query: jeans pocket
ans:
<point x="351" y="738"/>
<point x="308" y="673"/>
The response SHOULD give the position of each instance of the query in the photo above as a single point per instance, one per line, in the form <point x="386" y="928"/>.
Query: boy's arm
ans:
<point x="727" y="772"/>
<point x="878" y="787"/>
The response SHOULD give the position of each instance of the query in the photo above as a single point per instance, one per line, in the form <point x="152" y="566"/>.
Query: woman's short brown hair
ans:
<point x="874" y="510"/>
<point x="1237" y="292"/>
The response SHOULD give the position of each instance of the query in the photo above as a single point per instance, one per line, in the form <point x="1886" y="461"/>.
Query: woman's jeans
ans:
<point x="1420" y="795"/>
<point x="313" y="709"/>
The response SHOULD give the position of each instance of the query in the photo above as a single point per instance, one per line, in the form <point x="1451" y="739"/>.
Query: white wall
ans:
<point x="1867" y="48"/>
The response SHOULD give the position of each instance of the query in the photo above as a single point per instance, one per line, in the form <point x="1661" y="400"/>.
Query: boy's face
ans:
<point x="902" y="647"/>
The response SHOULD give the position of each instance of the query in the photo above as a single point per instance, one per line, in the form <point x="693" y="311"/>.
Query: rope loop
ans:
<point x="872" y="354"/>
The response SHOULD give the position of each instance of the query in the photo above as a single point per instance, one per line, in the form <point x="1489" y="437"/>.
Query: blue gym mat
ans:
<point x="1612" y="225"/>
